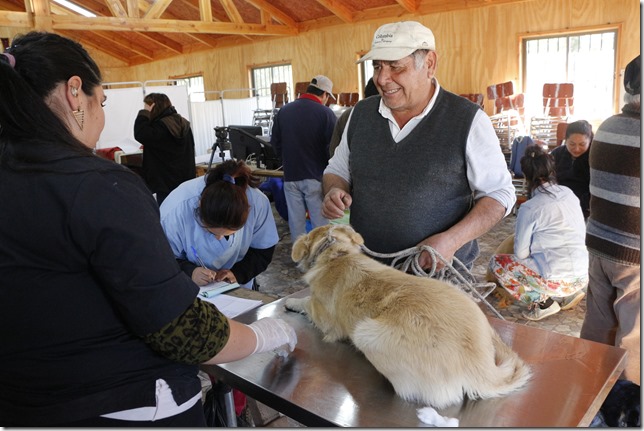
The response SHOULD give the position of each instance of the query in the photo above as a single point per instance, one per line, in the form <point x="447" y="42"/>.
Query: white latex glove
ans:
<point x="272" y="333"/>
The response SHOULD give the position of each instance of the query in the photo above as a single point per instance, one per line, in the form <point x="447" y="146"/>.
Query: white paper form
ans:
<point x="232" y="306"/>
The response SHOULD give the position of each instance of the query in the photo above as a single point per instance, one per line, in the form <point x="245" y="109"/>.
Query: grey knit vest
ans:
<point x="407" y="191"/>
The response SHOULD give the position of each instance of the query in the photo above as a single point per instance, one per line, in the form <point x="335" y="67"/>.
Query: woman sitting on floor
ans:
<point x="550" y="257"/>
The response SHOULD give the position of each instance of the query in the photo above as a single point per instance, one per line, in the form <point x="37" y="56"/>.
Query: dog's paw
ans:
<point x="297" y="304"/>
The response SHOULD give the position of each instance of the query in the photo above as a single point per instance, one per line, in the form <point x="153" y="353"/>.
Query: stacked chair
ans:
<point x="558" y="107"/>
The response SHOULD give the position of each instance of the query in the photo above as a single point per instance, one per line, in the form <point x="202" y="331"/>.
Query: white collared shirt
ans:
<point x="487" y="170"/>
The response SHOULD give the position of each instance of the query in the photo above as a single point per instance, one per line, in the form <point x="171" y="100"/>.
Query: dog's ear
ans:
<point x="301" y="248"/>
<point x="354" y="236"/>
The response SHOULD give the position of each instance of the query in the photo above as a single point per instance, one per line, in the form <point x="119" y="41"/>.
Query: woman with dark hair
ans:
<point x="168" y="145"/>
<point x="221" y="226"/>
<point x="571" y="162"/>
<point x="100" y="327"/>
<point x="550" y="257"/>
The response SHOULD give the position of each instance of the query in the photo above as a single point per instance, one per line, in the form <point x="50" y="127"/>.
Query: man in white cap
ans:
<point x="301" y="134"/>
<point x="418" y="165"/>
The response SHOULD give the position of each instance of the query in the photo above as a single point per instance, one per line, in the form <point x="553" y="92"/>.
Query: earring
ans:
<point x="74" y="91"/>
<point x="79" y="114"/>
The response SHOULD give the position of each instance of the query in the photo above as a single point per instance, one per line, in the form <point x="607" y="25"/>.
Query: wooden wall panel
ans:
<point x="476" y="47"/>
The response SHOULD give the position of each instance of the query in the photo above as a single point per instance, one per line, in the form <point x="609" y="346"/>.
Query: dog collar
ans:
<point x="330" y="240"/>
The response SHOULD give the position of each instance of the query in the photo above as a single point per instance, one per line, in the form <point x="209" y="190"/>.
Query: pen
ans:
<point x="201" y="262"/>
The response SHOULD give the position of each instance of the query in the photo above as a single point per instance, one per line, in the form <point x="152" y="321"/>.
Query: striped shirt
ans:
<point x="613" y="229"/>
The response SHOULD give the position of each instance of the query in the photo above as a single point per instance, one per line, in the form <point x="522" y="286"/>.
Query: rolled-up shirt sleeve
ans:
<point x="487" y="170"/>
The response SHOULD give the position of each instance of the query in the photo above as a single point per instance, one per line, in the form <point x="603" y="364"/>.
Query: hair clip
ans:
<point x="11" y="58"/>
<point x="229" y="178"/>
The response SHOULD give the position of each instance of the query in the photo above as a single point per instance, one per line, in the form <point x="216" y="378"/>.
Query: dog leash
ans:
<point x="408" y="258"/>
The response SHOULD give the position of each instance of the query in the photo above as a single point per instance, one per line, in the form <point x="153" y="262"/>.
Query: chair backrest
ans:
<point x="300" y="88"/>
<point x="500" y="90"/>
<point x="348" y="99"/>
<point x="558" y="100"/>
<point x="279" y="94"/>
<point x="561" y="132"/>
<point x="505" y="99"/>
<point x="474" y="97"/>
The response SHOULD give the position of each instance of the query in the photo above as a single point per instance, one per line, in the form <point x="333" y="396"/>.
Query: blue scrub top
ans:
<point x="181" y="225"/>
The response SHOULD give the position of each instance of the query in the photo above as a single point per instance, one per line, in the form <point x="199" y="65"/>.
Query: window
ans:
<point x="263" y="77"/>
<point x="585" y="59"/>
<point x="366" y="73"/>
<point x="195" y="88"/>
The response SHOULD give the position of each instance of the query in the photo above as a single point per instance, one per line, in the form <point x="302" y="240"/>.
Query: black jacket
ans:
<point x="168" y="150"/>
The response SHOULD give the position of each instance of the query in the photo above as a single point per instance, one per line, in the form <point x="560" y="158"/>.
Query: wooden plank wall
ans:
<point x="476" y="47"/>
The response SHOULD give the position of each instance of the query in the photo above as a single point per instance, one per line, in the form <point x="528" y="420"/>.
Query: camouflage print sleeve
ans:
<point x="197" y="335"/>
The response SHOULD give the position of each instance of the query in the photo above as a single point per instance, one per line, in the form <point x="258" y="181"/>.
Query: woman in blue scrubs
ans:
<point x="221" y="226"/>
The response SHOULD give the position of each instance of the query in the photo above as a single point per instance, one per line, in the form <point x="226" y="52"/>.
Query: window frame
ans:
<point x="587" y="30"/>
<point x="289" y="80"/>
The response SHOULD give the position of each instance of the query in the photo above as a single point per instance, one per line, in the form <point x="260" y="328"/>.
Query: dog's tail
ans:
<point x="509" y="374"/>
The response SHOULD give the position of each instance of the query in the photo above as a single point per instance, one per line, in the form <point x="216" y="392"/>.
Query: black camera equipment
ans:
<point x="222" y="141"/>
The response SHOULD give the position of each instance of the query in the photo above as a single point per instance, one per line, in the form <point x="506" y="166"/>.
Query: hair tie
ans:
<point x="229" y="178"/>
<point x="11" y="58"/>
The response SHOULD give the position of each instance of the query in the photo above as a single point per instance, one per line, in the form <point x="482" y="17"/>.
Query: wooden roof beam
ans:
<point x="157" y="9"/>
<point x="409" y="5"/>
<point x="15" y="19"/>
<point x="339" y="9"/>
<point x="42" y="19"/>
<point x="168" y="26"/>
<point x="99" y="45"/>
<point x="205" y="10"/>
<point x="231" y="11"/>
<point x="164" y="41"/>
<point x="276" y="13"/>
<point x="122" y="41"/>
<point x="132" y="8"/>
<point x="116" y="8"/>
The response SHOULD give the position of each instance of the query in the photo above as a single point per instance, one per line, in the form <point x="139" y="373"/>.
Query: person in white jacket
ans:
<point x="550" y="258"/>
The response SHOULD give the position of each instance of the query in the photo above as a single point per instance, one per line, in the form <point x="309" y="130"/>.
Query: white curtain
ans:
<point x="123" y="105"/>
<point x="218" y="113"/>
<point x="205" y="117"/>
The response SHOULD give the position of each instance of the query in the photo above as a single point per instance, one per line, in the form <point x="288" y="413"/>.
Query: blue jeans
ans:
<point x="300" y="196"/>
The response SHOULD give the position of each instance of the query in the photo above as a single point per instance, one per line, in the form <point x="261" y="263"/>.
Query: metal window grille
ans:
<point x="587" y="60"/>
<point x="263" y="77"/>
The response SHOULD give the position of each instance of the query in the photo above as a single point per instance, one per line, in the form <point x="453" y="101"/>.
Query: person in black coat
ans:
<point x="168" y="145"/>
<point x="571" y="162"/>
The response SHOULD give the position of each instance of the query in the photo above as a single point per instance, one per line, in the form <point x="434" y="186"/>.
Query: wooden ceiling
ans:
<point x="142" y="31"/>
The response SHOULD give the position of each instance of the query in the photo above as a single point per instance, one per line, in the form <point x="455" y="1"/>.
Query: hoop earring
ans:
<point x="79" y="115"/>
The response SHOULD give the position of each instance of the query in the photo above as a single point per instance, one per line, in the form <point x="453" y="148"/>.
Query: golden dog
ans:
<point x="428" y="338"/>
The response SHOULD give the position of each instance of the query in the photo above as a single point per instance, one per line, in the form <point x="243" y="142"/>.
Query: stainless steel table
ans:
<point x="332" y="384"/>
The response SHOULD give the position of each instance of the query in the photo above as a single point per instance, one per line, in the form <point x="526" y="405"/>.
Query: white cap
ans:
<point x="398" y="40"/>
<point x="323" y="83"/>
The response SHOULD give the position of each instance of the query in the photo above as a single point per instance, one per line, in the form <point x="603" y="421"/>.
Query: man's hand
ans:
<point x="444" y="244"/>
<point x="335" y="202"/>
